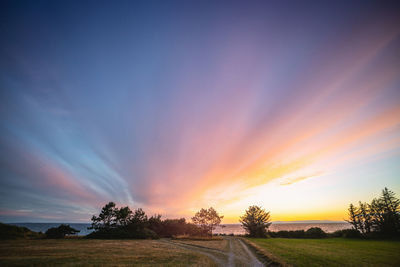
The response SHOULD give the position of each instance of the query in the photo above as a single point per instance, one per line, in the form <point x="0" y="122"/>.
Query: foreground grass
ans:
<point x="218" y="244"/>
<point x="86" y="252"/>
<point x="332" y="251"/>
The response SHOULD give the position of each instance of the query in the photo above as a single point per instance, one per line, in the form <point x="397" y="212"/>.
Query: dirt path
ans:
<point x="237" y="252"/>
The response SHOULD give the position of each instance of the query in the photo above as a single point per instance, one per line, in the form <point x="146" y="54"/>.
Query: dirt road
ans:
<point x="231" y="251"/>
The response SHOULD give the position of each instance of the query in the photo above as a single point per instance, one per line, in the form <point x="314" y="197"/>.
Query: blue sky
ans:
<point x="177" y="105"/>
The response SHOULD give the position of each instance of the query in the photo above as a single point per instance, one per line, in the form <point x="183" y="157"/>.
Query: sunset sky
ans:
<point x="177" y="105"/>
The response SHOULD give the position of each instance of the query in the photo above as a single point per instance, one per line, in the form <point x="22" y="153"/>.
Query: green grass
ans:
<point x="332" y="251"/>
<point x="84" y="252"/>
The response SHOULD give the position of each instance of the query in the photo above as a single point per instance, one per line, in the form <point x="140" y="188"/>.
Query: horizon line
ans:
<point x="273" y="222"/>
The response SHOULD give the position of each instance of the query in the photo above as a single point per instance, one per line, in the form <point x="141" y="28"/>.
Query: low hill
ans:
<point x="8" y="231"/>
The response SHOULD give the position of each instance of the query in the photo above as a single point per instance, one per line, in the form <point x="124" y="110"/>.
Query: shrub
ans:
<point x="123" y="233"/>
<point x="315" y="232"/>
<point x="283" y="233"/>
<point x="347" y="233"/>
<point x="288" y="234"/>
<point x="338" y="233"/>
<point x="61" y="231"/>
<point x="351" y="233"/>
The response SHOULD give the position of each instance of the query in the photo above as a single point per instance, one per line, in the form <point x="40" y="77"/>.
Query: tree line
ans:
<point x="114" y="222"/>
<point x="380" y="217"/>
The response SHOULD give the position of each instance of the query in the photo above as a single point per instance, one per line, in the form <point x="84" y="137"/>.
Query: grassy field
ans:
<point x="85" y="252"/>
<point x="221" y="244"/>
<point x="331" y="251"/>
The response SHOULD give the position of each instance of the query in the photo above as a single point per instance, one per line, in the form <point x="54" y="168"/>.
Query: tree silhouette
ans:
<point x="123" y="216"/>
<point x="106" y="219"/>
<point x="382" y="216"/>
<point x="256" y="221"/>
<point x="114" y="222"/>
<point x="353" y="217"/>
<point x="207" y="219"/>
<point x="365" y="217"/>
<point x="391" y="212"/>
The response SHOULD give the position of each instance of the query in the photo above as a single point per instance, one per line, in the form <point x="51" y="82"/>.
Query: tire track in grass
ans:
<point x="201" y="250"/>
<point x="231" y="257"/>
<point x="238" y="255"/>
<point x="254" y="261"/>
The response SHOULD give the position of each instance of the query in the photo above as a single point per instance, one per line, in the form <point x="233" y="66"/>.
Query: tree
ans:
<point x="138" y="217"/>
<point x="353" y="217"/>
<point x="207" y="219"/>
<point x="256" y="221"/>
<point x="114" y="222"/>
<point x="138" y="221"/>
<point x="391" y="212"/>
<point x="172" y="227"/>
<point x="365" y="217"/>
<point x="61" y="231"/>
<point x="381" y="216"/>
<point x="360" y="217"/>
<point x="376" y="210"/>
<point x="106" y="219"/>
<point x="155" y="223"/>
<point x="123" y="216"/>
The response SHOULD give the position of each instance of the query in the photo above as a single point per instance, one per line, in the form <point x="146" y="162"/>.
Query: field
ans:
<point x="230" y="251"/>
<point x="227" y="251"/>
<point x="85" y="252"/>
<point x="331" y="251"/>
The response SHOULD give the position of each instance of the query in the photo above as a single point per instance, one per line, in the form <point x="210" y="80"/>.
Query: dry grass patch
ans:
<point x="219" y="244"/>
<point x="199" y="238"/>
<point x="215" y="242"/>
<point x="85" y="252"/>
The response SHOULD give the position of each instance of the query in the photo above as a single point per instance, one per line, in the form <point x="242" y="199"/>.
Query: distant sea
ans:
<point x="328" y="227"/>
<point x="235" y="229"/>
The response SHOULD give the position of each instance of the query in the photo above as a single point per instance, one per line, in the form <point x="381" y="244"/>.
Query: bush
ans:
<point x="351" y="233"/>
<point x="338" y="233"/>
<point x="288" y="234"/>
<point x="346" y="233"/>
<point x="315" y="232"/>
<point x="283" y="234"/>
<point x="61" y="231"/>
<point x="173" y="227"/>
<point x="193" y="230"/>
<point x="147" y="233"/>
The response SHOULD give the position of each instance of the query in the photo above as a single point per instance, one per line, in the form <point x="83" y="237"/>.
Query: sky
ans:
<point x="173" y="106"/>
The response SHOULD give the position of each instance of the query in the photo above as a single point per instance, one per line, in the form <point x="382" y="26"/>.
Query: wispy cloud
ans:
<point x="291" y="181"/>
